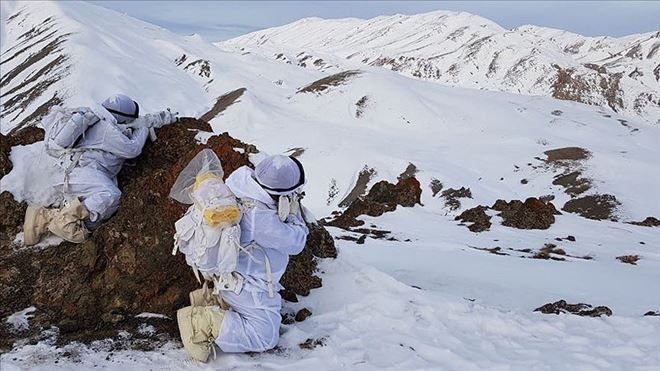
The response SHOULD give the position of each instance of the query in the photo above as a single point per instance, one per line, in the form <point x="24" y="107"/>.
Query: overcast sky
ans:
<point x="216" y="20"/>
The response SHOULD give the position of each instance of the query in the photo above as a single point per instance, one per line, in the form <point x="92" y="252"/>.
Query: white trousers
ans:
<point x="252" y="324"/>
<point x="97" y="191"/>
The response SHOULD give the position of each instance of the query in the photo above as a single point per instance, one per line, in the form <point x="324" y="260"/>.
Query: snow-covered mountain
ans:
<point x="431" y="294"/>
<point x="461" y="49"/>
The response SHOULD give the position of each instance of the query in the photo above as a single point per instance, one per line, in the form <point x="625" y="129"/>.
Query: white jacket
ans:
<point x="109" y="144"/>
<point x="105" y="146"/>
<point x="261" y="225"/>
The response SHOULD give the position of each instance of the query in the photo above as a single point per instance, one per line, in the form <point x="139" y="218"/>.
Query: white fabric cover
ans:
<point x="106" y="146"/>
<point x="121" y="103"/>
<point x="206" y="161"/>
<point x="277" y="172"/>
<point x="213" y="250"/>
<point x="252" y="324"/>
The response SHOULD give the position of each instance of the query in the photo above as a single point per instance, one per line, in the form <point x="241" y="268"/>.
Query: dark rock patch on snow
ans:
<point x="452" y="197"/>
<point x="531" y="214"/>
<point x="573" y="183"/>
<point x="477" y="216"/>
<point x="312" y="343"/>
<point x="360" y="106"/>
<point x="201" y="67"/>
<point x="493" y="250"/>
<point x="302" y="315"/>
<point x="322" y="85"/>
<point x="567" y="154"/>
<point x="222" y="103"/>
<point x="628" y="259"/>
<point x="648" y="222"/>
<point x="550" y="251"/>
<point x="436" y="186"/>
<point x="360" y="187"/>
<point x="596" y="207"/>
<point x="300" y="276"/>
<point x="410" y="172"/>
<point x="383" y="197"/>
<point x="579" y="309"/>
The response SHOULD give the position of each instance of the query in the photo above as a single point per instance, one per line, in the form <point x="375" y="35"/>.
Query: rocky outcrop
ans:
<point x="477" y="216"/>
<point x="579" y="309"/>
<point x="90" y="291"/>
<point x="382" y="197"/>
<point x="531" y="214"/>
<point x="596" y="207"/>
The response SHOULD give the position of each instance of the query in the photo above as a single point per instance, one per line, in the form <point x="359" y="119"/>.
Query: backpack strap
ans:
<point x="266" y="262"/>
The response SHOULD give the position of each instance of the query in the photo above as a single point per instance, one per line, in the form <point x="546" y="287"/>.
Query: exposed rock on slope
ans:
<point x="382" y="197"/>
<point x="579" y="309"/>
<point x="30" y="69"/>
<point x="91" y="290"/>
<point x="321" y="85"/>
<point x="596" y="207"/>
<point x="222" y="103"/>
<point x="477" y="216"/>
<point x="531" y="214"/>
<point x="534" y="213"/>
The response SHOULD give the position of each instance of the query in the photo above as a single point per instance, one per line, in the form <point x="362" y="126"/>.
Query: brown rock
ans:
<point x="580" y="309"/>
<point x="628" y="259"/>
<point x="382" y="197"/>
<point x="126" y="267"/>
<point x="477" y="216"/>
<point x="302" y="314"/>
<point x="648" y="222"/>
<point x="531" y="214"/>
<point x="312" y="343"/>
<point x="452" y="197"/>
<point x="596" y="207"/>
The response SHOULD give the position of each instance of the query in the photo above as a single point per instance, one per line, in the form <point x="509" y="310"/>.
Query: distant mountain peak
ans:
<point x="462" y="49"/>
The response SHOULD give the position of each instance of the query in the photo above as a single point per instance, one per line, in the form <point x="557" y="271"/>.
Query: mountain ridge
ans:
<point x="462" y="49"/>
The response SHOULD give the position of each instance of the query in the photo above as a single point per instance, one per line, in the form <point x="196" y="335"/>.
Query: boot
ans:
<point x="205" y="297"/>
<point x="36" y="223"/>
<point x="199" y="327"/>
<point x="202" y="298"/>
<point x="69" y="222"/>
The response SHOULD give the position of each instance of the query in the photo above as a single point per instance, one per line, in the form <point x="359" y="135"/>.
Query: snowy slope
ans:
<point x="461" y="49"/>
<point x="427" y="300"/>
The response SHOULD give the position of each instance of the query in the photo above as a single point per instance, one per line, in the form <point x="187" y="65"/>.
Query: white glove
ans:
<point x="295" y="205"/>
<point x="164" y="118"/>
<point x="89" y="119"/>
<point x="283" y="208"/>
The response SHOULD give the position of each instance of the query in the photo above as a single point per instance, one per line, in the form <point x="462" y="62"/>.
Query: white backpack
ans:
<point x="209" y="232"/>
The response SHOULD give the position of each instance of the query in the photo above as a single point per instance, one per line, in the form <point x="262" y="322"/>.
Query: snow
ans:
<point x="47" y="241"/>
<point x="34" y="175"/>
<point x="152" y="315"/>
<point x="19" y="320"/>
<point x="376" y="322"/>
<point x="432" y="302"/>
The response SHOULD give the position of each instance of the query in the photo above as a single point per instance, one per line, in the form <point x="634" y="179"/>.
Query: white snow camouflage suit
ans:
<point x="94" y="179"/>
<point x="253" y="322"/>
